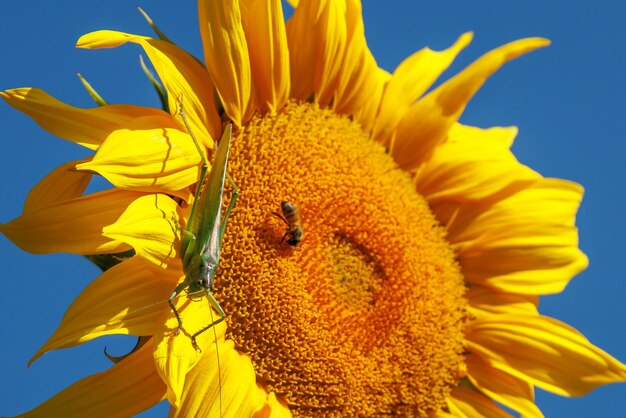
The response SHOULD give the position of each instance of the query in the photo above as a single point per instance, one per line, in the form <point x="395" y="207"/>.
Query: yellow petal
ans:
<point x="174" y="355"/>
<point x="126" y="389"/>
<point x="550" y="269"/>
<point x="486" y="301"/>
<point x="147" y="226"/>
<point x="358" y="80"/>
<point x="358" y="75"/>
<point x="266" y="36"/>
<point x="555" y="199"/>
<point x="148" y="154"/>
<point x="526" y="243"/>
<point x="226" y="56"/>
<point x="73" y="226"/>
<point x="544" y="352"/>
<point x="502" y="387"/>
<point x="426" y="123"/>
<point x="239" y="395"/>
<point x="366" y="115"/>
<point x="468" y="403"/>
<point x="128" y="298"/>
<point x="86" y="127"/>
<point x="473" y="164"/>
<point x="409" y="81"/>
<point x="317" y="35"/>
<point x="183" y="77"/>
<point x="63" y="183"/>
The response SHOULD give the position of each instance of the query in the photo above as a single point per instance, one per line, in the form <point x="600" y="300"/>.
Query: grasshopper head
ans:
<point x="202" y="280"/>
<point x="196" y="286"/>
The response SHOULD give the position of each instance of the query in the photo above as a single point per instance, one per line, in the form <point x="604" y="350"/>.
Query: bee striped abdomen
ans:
<point x="291" y="217"/>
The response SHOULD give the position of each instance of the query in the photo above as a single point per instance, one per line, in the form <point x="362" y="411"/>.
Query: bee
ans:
<point x="291" y="217"/>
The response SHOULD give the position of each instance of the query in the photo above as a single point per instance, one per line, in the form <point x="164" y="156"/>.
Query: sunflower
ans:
<point x="426" y="245"/>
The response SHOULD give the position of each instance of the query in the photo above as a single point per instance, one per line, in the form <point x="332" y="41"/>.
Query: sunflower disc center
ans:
<point x="356" y="275"/>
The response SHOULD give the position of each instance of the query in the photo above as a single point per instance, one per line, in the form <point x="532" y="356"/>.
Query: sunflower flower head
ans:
<point x="381" y="258"/>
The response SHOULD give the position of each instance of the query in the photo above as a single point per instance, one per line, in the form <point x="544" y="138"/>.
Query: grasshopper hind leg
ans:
<point x="179" y="289"/>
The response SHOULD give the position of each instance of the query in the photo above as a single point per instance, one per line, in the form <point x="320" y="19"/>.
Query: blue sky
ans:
<point x="567" y="100"/>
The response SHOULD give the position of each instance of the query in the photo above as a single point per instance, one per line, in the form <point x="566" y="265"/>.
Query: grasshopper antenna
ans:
<point x="219" y="367"/>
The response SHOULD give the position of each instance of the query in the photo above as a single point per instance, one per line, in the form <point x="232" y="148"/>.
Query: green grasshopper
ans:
<point x="202" y="237"/>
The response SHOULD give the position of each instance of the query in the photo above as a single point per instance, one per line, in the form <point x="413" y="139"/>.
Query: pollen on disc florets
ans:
<point x="365" y="316"/>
